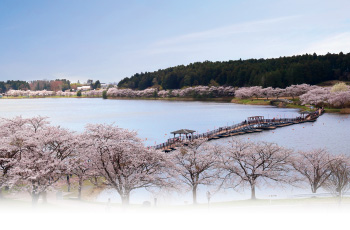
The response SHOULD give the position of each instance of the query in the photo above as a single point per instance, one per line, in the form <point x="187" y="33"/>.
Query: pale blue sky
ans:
<point x="110" y="40"/>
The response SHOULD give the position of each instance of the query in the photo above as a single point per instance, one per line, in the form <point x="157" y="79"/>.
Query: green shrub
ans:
<point x="104" y="94"/>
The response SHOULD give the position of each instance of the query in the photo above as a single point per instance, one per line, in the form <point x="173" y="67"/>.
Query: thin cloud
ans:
<point x="71" y="77"/>
<point x="333" y="44"/>
<point x="222" y="32"/>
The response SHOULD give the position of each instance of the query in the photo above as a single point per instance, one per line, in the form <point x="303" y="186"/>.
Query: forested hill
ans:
<point x="276" y="72"/>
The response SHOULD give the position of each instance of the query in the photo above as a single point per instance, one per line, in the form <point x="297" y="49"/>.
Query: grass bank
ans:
<point x="295" y="105"/>
<point x="250" y="101"/>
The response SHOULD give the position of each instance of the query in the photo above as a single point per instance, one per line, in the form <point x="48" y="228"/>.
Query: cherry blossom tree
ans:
<point x="42" y="153"/>
<point x="243" y="93"/>
<point x="11" y="143"/>
<point x="256" y="91"/>
<point x="65" y="94"/>
<point x="163" y="93"/>
<point x="93" y="93"/>
<point x="318" y="96"/>
<point x="212" y="91"/>
<point x="313" y="166"/>
<point x="121" y="158"/>
<point x="268" y="92"/>
<point x="339" y="99"/>
<point x="29" y="93"/>
<point x="195" y="164"/>
<point x="339" y="180"/>
<point x="80" y="164"/>
<point x="7" y="155"/>
<point x="297" y="90"/>
<point x="246" y="163"/>
<point x="278" y="92"/>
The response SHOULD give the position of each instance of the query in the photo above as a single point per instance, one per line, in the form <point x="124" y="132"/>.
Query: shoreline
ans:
<point x="41" y="97"/>
<point x="218" y="99"/>
<point x="263" y="102"/>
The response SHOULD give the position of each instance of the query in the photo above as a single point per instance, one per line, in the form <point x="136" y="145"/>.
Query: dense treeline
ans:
<point x="276" y="72"/>
<point x="53" y="85"/>
<point x="60" y="85"/>
<point x="16" y="85"/>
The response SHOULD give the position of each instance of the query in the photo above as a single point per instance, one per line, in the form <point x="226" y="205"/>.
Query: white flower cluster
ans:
<point x="45" y="93"/>
<point x="29" y="93"/>
<point x="213" y="91"/>
<point x="269" y="92"/>
<point x="308" y="94"/>
<point x="65" y="94"/>
<point x="92" y="93"/>
<point x="324" y="96"/>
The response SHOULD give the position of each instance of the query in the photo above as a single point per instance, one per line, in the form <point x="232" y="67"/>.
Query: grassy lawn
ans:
<point x="287" y="202"/>
<point x="90" y="192"/>
<point x="295" y="105"/>
<point x="261" y="101"/>
<point x="301" y="202"/>
<point x="251" y="101"/>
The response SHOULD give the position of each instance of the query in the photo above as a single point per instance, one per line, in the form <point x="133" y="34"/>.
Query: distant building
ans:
<point x="84" y="88"/>
<point x="104" y="86"/>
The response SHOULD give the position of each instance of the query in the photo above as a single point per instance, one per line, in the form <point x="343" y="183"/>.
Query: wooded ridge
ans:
<point x="275" y="72"/>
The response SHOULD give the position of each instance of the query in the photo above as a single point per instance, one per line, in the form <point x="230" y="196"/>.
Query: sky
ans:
<point x="109" y="40"/>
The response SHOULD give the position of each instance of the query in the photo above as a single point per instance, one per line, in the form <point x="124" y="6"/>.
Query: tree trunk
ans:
<point x="44" y="196"/>
<point x="194" y="194"/>
<point x="1" y="196"/>
<point x="125" y="199"/>
<point x="68" y="183"/>
<point x="35" y="194"/>
<point x="313" y="189"/>
<point x="253" y="197"/>
<point x="80" y="188"/>
<point x="35" y="199"/>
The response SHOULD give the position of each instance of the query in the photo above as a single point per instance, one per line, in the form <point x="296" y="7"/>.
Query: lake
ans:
<point x="155" y="119"/>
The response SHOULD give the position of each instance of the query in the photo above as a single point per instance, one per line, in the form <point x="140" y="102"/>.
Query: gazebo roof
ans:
<point x="183" y="131"/>
<point x="256" y="118"/>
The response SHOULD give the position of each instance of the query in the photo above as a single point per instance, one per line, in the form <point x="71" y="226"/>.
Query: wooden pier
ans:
<point x="251" y="125"/>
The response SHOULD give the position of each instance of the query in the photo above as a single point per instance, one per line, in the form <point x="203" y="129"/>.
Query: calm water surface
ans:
<point x="154" y="120"/>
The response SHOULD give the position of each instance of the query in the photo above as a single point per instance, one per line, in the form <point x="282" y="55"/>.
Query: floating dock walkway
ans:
<point x="253" y="124"/>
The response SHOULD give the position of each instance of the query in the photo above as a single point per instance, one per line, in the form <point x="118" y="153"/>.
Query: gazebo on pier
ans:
<point x="303" y="113"/>
<point x="255" y="120"/>
<point x="183" y="131"/>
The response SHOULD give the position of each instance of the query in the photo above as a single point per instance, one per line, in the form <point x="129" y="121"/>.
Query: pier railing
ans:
<point x="242" y="126"/>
